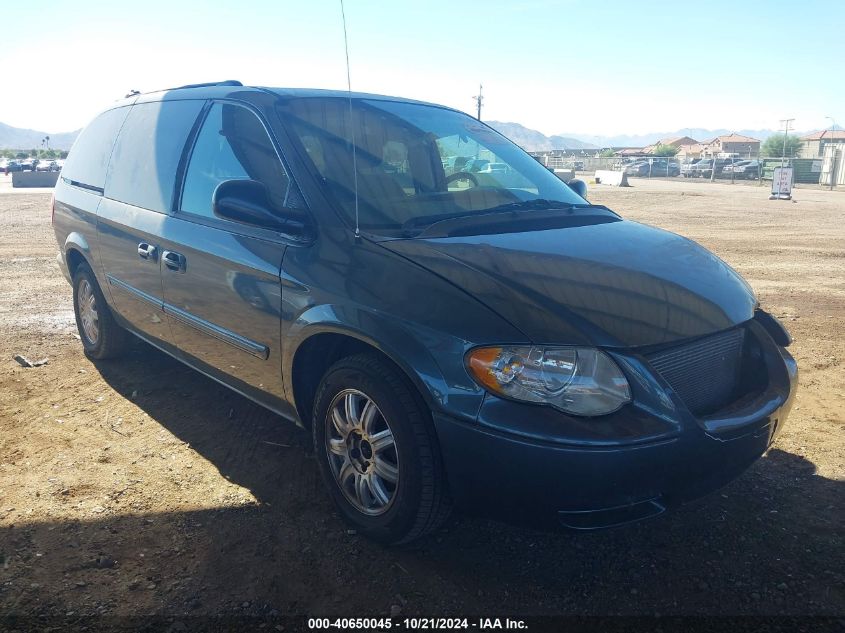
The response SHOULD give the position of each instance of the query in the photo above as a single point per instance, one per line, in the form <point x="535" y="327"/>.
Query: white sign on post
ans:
<point x="782" y="182"/>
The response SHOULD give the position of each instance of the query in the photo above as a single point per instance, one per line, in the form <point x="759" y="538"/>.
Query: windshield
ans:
<point x="417" y="164"/>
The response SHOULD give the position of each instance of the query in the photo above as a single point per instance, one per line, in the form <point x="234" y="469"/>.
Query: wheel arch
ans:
<point x="320" y="346"/>
<point x="77" y="251"/>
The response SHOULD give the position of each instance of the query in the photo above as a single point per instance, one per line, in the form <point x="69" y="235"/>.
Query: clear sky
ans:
<point x="605" y="67"/>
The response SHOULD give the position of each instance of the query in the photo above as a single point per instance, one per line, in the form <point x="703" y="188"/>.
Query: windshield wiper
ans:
<point x="537" y="204"/>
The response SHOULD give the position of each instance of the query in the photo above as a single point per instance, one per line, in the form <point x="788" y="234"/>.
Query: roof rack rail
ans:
<point x="228" y="82"/>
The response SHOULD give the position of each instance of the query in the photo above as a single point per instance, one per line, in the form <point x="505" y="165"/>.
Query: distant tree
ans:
<point x="607" y="153"/>
<point x="773" y="146"/>
<point x="664" y="150"/>
<point x="21" y="155"/>
<point x="33" y="153"/>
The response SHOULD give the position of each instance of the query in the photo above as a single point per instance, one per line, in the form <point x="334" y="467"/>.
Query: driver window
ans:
<point x="232" y="144"/>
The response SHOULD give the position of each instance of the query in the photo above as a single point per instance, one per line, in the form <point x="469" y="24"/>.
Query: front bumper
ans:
<point x="655" y="461"/>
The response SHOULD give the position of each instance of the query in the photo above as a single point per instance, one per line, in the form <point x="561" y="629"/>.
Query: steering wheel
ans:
<point x="462" y="175"/>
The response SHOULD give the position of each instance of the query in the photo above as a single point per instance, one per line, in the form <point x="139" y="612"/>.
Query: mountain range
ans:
<point x="534" y="141"/>
<point x="20" y="138"/>
<point x="528" y="139"/>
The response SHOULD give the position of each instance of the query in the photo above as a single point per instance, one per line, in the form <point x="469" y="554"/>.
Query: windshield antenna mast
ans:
<point x="351" y="122"/>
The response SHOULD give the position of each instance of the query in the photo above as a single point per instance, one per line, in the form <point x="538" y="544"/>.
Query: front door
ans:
<point x="221" y="282"/>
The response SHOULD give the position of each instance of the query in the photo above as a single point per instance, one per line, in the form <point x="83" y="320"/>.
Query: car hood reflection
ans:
<point x="620" y="284"/>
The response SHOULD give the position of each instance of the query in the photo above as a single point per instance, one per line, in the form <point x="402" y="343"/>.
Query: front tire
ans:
<point x="377" y="452"/>
<point x="100" y="334"/>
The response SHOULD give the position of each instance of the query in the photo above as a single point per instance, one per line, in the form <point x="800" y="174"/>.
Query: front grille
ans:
<point x="703" y="373"/>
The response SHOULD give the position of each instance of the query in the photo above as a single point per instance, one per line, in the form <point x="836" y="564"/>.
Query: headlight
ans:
<point x="578" y="380"/>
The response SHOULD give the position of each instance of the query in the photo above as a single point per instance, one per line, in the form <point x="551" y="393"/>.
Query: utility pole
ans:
<point x="786" y="123"/>
<point x="478" y="99"/>
<point x="833" y="153"/>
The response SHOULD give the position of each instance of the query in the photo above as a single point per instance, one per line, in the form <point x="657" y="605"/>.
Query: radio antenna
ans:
<point x="351" y="122"/>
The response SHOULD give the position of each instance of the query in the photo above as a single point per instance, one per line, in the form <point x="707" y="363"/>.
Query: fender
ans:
<point x="78" y="242"/>
<point x="75" y="241"/>
<point x="411" y="350"/>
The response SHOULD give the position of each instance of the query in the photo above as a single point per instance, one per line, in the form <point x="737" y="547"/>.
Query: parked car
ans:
<point x="494" y="168"/>
<point x="516" y="351"/>
<point x="14" y="165"/>
<point x="747" y="169"/>
<point x="27" y="164"/>
<point x="46" y="165"/>
<point x="654" y="167"/>
<point x="688" y="168"/>
<point x="637" y="169"/>
<point x="665" y="167"/>
<point x="705" y="168"/>
<point x="728" y="167"/>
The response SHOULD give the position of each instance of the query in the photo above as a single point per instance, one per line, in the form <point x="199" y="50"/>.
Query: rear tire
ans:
<point x="100" y="334"/>
<point x="377" y="452"/>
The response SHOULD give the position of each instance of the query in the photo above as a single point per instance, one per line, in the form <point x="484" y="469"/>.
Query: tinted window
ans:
<point x="89" y="157"/>
<point x="232" y="144"/>
<point x="142" y="170"/>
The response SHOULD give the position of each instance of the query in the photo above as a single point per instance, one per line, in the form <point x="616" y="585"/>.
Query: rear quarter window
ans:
<point x="89" y="157"/>
<point x="142" y="170"/>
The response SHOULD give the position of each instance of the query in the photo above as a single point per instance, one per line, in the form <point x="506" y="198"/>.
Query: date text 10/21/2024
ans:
<point x="413" y="624"/>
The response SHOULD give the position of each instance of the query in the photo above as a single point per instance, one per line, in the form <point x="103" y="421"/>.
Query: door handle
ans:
<point x="147" y="251"/>
<point x="174" y="261"/>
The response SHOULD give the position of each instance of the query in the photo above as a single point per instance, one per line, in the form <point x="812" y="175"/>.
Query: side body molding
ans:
<point x="206" y="327"/>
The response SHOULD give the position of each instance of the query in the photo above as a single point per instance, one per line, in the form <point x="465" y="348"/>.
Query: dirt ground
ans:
<point x="140" y="487"/>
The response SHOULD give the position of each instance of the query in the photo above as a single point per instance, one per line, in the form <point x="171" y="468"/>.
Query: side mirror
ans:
<point x="579" y="187"/>
<point x="247" y="202"/>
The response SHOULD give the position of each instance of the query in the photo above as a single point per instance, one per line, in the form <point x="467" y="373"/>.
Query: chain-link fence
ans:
<point x="749" y="166"/>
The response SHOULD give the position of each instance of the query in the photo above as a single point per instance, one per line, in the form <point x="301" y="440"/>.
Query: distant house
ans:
<point x="690" y="151"/>
<point x="675" y="141"/>
<point x="631" y="151"/>
<point x="744" y="146"/>
<point x="812" y="145"/>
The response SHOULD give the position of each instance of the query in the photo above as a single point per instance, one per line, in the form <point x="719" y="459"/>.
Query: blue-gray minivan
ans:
<point x="478" y="338"/>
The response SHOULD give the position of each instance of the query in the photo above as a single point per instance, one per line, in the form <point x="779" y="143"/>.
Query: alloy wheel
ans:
<point x="88" y="311"/>
<point x="362" y="452"/>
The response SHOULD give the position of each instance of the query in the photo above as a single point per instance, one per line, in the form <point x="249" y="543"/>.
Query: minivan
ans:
<point x="484" y="340"/>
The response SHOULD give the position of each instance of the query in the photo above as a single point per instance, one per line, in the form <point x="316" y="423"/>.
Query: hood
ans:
<point x="618" y="284"/>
